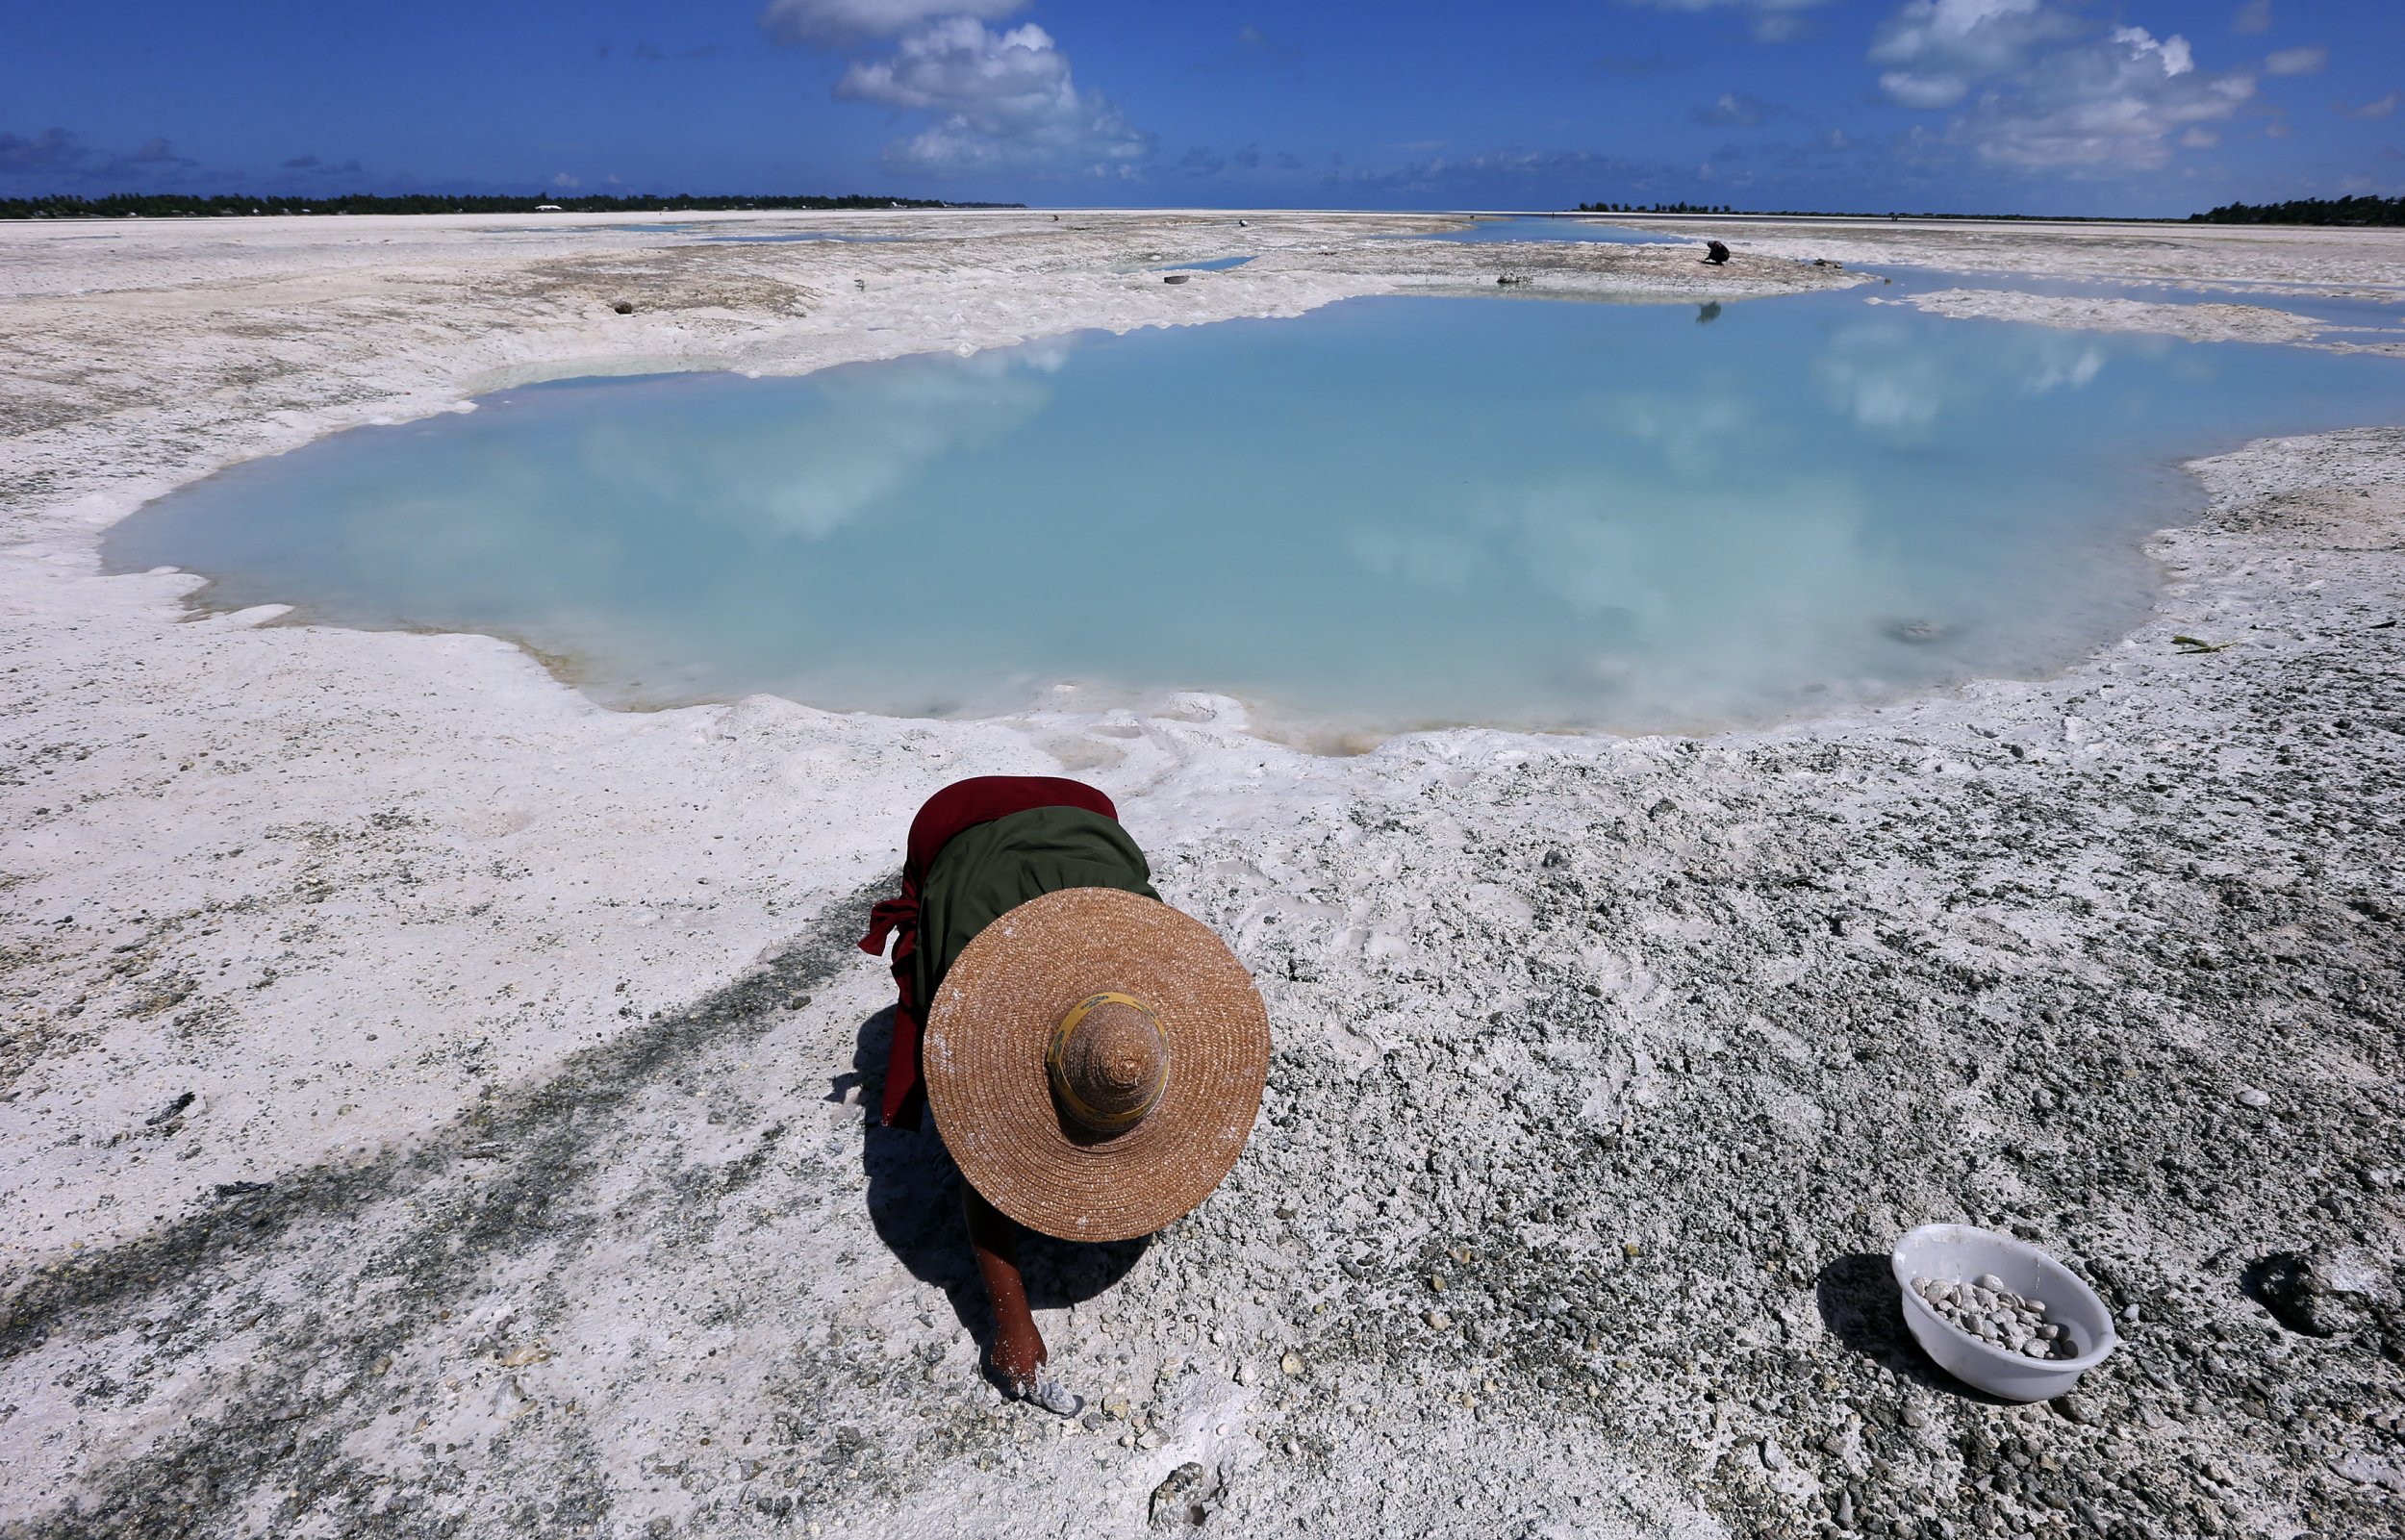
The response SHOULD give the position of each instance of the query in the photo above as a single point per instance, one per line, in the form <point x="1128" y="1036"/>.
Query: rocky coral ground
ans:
<point x="1607" y="1073"/>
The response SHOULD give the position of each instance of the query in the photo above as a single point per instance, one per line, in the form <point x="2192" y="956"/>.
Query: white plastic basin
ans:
<point x="1964" y="1253"/>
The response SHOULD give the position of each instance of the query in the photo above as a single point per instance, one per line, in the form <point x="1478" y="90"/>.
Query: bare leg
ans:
<point x="1019" y="1350"/>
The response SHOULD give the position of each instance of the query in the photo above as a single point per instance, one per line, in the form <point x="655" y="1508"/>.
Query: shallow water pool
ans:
<point x="1390" y="512"/>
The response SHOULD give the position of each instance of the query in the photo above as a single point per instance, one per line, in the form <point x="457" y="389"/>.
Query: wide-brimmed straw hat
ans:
<point x="1094" y="1060"/>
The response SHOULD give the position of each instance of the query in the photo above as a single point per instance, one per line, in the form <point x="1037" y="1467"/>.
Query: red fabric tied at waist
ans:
<point x="959" y="806"/>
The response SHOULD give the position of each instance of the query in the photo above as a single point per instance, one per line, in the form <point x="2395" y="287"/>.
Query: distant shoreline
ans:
<point x="2353" y="212"/>
<point x="218" y="205"/>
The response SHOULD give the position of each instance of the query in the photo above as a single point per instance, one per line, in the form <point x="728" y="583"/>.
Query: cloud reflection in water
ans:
<point x="1385" y="513"/>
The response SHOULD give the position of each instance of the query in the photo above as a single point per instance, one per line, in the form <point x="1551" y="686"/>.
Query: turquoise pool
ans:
<point x="1384" y="515"/>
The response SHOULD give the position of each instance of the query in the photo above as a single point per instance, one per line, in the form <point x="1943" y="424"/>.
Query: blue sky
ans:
<point x="2143" y="107"/>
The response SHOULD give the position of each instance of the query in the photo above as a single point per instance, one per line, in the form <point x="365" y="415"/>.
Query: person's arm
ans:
<point x="1019" y="1350"/>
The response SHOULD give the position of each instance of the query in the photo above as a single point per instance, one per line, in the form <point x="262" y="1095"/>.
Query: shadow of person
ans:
<point x="1863" y="1309"/>
<point x="915" y="1197"/>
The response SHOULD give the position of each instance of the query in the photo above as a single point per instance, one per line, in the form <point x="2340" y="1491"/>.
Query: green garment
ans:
<point x="986" y="871"/>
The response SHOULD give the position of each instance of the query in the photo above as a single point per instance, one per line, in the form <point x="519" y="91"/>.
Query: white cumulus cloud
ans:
<point x="2297" y="61"/>
<point x="1935" y="50"/>
<point x="2037" y="86"/>
<point x="2172" y="52"/>
<point x="997" y="100"/>
<point x="843" y="21"/>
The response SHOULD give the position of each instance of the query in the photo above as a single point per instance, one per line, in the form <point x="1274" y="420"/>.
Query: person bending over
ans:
<point x="1093" y="1058"/>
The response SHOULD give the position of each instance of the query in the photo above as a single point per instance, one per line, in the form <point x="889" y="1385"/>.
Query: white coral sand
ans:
<point x="523" y="1187"/>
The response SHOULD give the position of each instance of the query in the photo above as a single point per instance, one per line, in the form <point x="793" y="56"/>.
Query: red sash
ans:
<point x="961" y="805"/>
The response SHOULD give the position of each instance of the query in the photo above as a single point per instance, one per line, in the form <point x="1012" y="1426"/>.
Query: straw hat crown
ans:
<point x="1110" y="1064"/>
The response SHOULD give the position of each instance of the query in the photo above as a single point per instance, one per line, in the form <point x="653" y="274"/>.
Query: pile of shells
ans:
<point x="1985" y="1309"/>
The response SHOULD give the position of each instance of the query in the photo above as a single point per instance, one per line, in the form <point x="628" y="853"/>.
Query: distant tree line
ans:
<point x="181" y="205"/>
<point x="2363" y="210"/>
<point x="1658" y="208"/>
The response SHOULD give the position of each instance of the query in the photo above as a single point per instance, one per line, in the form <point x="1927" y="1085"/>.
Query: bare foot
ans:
<point x="1016" y="1356"/>
<point x="1054" y="1397"/>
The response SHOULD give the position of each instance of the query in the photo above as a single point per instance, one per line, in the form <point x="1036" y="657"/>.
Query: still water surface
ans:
<point x="1389" y="512"/>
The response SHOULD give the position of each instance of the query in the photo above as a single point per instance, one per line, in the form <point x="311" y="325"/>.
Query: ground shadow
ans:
<point x="2285" y="1284"/>
<point x="546" y="1156"/>
<point x="1863" y="1309"/>
<point x="914" y="1205"/>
